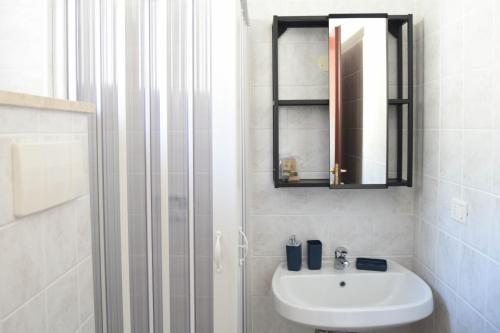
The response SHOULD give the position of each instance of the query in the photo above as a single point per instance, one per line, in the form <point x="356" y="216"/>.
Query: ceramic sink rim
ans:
<point x="353" y="317"/>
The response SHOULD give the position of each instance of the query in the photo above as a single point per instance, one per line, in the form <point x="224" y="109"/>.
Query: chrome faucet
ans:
<point x="341" y="261"/>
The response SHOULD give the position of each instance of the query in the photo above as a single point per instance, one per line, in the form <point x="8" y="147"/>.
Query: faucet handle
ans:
<point x="341" y="252"/>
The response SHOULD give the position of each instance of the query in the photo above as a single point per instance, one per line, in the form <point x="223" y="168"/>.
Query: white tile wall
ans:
<point x="45" y="258"/>
<point x="88" y="326"/>
<point x="62" y="304"/>
<point x="30" y="318"/>
<point x="460" y="262"/>
<point x="378" y="222"/>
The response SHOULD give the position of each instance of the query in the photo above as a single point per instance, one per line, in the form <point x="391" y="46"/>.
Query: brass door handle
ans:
<point x="336" y="172"/>
<point x="337" y="169"/>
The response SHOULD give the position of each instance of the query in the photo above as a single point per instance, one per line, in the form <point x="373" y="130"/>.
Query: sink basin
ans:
<point x="351" y="300"/>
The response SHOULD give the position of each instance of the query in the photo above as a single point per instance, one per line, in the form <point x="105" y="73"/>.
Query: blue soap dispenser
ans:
<point x="294" y="254"/>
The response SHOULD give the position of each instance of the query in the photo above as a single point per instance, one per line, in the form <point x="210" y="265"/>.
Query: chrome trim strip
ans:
<point x="159" y="85"/>
<point x="189" y="85"/>
<point x="147" y="132"/>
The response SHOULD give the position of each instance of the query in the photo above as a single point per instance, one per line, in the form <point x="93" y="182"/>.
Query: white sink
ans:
<point x="367" y="300"/>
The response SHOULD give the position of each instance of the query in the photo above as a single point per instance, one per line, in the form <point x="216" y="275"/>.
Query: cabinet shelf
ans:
<point x="398" y="101"/>
<point x="303" y="102"/>
<point x="304" y="183"/>
<point x="326" y="183"/>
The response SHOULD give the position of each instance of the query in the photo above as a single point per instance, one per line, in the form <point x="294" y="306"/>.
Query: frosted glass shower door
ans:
<point x="152" y="195"/>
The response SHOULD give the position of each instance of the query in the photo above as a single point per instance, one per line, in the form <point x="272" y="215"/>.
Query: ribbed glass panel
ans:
<point x="178" y="154"/>
<point x="137" y="182"/>
<point x="203" y="230"/>
<point x="86" y="91"/>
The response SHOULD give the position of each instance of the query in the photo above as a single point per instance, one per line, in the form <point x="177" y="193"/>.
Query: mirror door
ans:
<point x="358" y="100"/>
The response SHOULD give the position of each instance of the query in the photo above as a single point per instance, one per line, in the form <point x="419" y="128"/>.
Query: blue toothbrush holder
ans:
<point x="294" y="254"/>
<point x="314" y="254"/>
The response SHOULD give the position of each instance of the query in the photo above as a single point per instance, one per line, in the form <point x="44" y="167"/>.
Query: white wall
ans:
<point x="367" y="222"/>
<point x="46" y="282"/>
<point x="458" y="66"/>
<point x="25" y="41"/>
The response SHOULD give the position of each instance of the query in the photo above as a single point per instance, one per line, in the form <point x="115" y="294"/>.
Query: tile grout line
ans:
<point x="44" y="289"/>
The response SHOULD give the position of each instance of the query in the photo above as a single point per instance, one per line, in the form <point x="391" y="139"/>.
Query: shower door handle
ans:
<point x="243" y="247"/>
<point x="218" y="252"/>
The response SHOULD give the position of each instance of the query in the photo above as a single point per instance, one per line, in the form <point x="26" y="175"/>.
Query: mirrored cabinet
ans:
<point x="343" y="101"/>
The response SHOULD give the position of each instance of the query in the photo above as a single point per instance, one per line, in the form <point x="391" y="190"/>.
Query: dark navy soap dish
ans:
<point x="369" y="264"/>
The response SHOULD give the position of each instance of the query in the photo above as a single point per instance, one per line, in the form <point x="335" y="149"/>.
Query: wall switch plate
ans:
<point x="459" y="211"/>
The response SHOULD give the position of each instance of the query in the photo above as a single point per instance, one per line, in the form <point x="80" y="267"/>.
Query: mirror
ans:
<point x="358" y="100"/>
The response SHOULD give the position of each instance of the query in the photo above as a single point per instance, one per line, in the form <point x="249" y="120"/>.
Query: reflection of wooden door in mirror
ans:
<point x="335" y="54"/>
<point x="352" y="107"/>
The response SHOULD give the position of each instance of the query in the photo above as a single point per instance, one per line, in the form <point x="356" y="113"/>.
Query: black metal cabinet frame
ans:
<point x="395" y="27"/>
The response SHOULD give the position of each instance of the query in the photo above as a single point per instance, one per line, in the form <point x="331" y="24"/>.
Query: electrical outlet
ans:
<point x="459" y="211"/>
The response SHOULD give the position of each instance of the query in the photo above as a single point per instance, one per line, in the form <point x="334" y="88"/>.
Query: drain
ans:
<point x="342" y="284"/>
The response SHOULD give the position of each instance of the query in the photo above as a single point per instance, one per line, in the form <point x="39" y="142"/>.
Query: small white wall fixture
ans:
<point x="45" y="175"/>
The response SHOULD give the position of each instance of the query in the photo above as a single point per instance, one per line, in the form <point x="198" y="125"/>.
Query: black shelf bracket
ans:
<point x="285" y="22"/>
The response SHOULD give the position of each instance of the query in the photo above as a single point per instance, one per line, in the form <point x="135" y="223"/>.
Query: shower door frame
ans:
<point x="228" y="102"/>
<point x="205" y="55"/>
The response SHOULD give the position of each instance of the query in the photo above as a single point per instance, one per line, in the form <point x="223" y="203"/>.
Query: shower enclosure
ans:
<point x="147" y="65"/>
